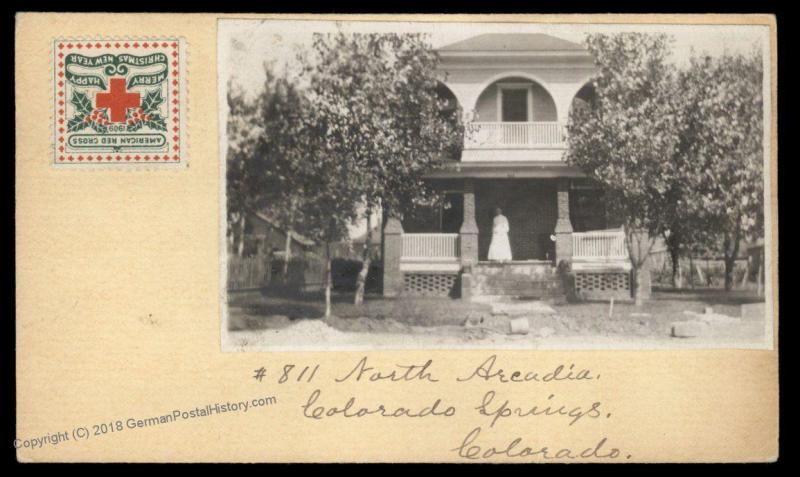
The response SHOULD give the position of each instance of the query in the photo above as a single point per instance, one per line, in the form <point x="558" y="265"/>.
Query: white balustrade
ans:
<point x="491" y="135"/>
<point x="599" y="245"/>
<point x="430" y="247"/>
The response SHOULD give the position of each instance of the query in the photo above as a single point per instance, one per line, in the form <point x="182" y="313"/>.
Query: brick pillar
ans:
<point x="563" y="230"/>
<point x="468" y="239"/>
<point x="392" y="252"/>
<point x="468" y="233"/>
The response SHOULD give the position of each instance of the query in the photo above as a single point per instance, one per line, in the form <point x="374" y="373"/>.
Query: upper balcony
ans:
<point x="515" y="135"/>
<point x="515" y="118"/>
<point x="516" y="92"/>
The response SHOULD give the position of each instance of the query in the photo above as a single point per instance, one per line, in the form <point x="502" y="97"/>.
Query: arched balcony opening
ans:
<point x="514" y="112"/>
<point x="585" y="101"/>
<point x="450" y="110"/>
<point x="448" y="103"/>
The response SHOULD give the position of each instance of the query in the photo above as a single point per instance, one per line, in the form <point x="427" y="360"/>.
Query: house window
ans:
<point x="515" y="102"/>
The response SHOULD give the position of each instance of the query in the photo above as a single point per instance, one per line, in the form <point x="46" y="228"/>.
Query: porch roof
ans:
<point x="505" y="170"/>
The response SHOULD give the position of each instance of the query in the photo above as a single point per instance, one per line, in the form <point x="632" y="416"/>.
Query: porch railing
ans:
<point x="599" y="245"/>
<point x="430" y="247"/>
<point x="491" y="135"/>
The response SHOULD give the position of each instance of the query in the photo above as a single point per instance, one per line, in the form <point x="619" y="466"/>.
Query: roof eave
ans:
<point x="524" y="53"/>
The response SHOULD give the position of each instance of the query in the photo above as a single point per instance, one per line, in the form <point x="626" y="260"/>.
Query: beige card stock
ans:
<point x="126" y="348"/>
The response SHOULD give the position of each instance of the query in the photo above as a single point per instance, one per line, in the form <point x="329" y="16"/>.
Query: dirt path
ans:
<point x="318" y="335"/>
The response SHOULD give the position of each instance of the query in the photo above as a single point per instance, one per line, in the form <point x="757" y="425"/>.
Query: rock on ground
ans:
<point x="689" y="329"/>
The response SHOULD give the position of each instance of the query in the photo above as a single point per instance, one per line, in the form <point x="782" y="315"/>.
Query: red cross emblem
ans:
<point x="118" y="99"/>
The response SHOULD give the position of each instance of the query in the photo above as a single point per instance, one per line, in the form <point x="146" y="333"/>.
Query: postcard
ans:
<point x="396" y="238"/>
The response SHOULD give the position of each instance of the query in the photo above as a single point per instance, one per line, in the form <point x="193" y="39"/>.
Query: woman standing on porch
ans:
<point x="500" y="248"/>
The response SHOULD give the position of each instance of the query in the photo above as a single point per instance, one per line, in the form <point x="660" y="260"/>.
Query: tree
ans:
<point x="269" y="141"/>
<point x="726" y="149"/>
<point x="244" y="191"/>
<point x="626" y="140"/>
<point x="375" y="98"/>
<point x="283" y="153"/>
<point x="279" y="164"/>
<point x="686" y="229"/>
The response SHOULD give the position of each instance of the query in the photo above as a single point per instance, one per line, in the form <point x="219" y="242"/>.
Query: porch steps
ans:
<point x="529" y="280"/>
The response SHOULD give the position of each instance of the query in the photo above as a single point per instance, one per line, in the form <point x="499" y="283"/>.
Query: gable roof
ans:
<point x="296" y="237"/>
<point x="513" y="42"/>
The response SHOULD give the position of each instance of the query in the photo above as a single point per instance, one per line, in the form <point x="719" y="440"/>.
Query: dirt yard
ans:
<point x="280" y="321"/>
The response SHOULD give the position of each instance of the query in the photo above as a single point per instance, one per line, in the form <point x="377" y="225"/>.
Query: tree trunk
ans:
<point x="760" y="283"/>
<point x="731" y="246"/>
<point x="242" y="226"/>
<point x="287" y="256"/>
<point x="361" y="281"/>
<point x="730" y="263"/>
<point x="700" y="275"/>
<point x="676" y="269"/>
<point x="328" y="280"/>
<point x="638" y="256"/>
<point x="746" y="273"/>
<point x="635" y="288"/>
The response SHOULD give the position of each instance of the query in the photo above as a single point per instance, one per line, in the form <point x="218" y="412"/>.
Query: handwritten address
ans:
<point x="485" y="440"/>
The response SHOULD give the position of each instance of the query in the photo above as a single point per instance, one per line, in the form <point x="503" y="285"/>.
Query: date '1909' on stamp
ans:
<point x="119" y="101"/>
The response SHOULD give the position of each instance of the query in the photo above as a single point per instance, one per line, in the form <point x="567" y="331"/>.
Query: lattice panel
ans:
<point x="602" y="282"/>
<point x="429" y="284"/>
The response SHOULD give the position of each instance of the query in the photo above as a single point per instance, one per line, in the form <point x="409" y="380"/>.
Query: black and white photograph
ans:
<point x="404" y="185"/>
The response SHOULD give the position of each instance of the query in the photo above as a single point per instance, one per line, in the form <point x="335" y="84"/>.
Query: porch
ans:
<point x="446" y="254"/>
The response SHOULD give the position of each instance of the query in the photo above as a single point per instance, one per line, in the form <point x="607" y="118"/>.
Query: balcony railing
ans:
<point x="604" y="245"/>
<point x="430" y="247"/>
<point x="514" y="135"/>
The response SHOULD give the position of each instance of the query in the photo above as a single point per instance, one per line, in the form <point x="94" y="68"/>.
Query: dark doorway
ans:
<point x="452" y="213"/>
<point x="515" y="104"/>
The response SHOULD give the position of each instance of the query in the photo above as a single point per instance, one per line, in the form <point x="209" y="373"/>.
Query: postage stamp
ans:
<point x="119" y="101"/>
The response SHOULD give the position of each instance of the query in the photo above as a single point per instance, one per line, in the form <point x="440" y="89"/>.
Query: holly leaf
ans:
<point x="81" y="102"/>
<point x="76" y="123"/>
<point x="156" y="122"/>
<point x="152" y="100"/>
<point x="99" y="127"/>
<point x="135" y="126"/>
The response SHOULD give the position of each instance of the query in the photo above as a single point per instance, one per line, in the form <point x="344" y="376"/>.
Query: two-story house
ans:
<point x="516" y="92"/>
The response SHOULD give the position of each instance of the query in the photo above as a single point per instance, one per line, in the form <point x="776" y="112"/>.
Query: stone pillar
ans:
<point x="392" y="253"/>
<point x="563" y="230"/>
<point x="468" y="233"/>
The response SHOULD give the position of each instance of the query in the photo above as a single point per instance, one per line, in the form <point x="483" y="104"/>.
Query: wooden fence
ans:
<point x="248" y="272"/>
<point x="305" y="272"/>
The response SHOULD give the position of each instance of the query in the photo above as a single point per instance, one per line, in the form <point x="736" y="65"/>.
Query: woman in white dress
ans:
<point x="500" y="248"/>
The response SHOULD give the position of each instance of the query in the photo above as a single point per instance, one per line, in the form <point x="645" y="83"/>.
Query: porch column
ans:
<point x="563" y="230"/>
<point x="392" y="253"/>
<point x="468" y="233"/>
